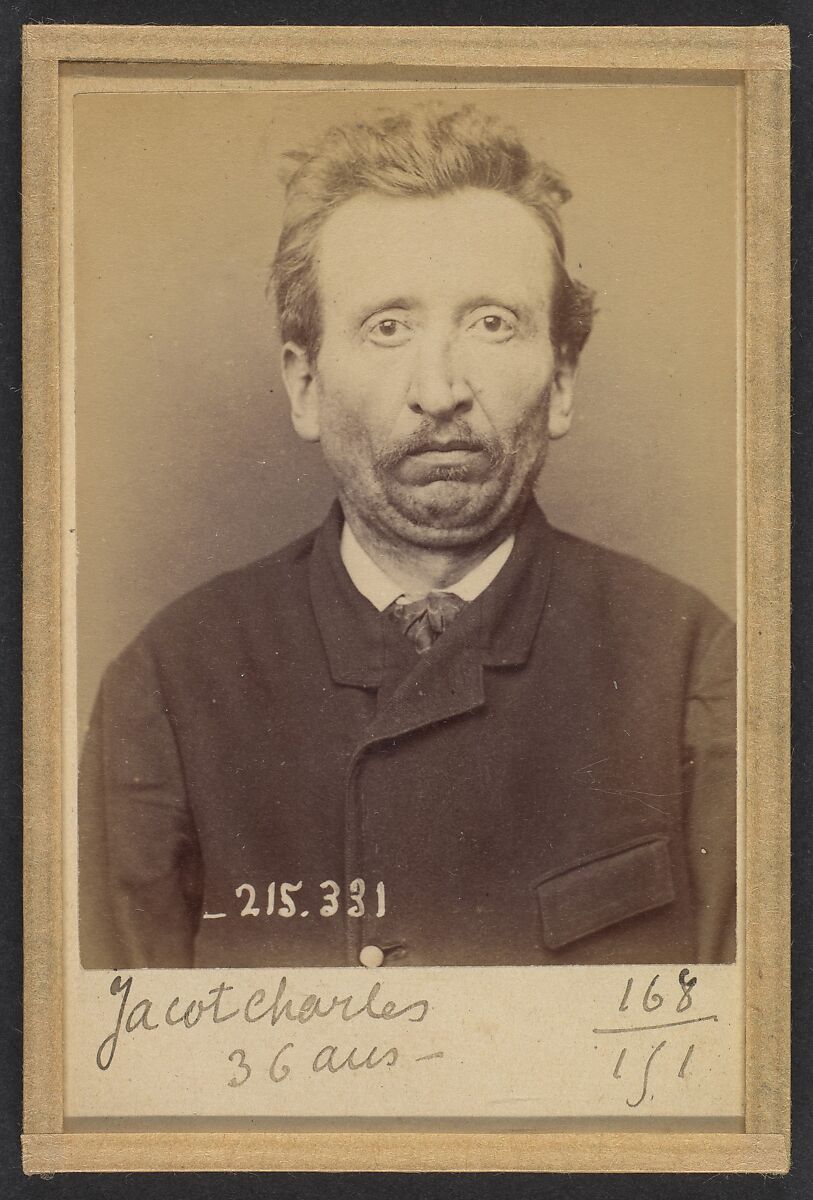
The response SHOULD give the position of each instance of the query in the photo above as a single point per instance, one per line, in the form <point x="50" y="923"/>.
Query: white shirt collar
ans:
<point x="377" y="587"/>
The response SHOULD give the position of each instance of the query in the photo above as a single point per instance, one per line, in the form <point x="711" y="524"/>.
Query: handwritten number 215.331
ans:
<point x="280" y="900"/>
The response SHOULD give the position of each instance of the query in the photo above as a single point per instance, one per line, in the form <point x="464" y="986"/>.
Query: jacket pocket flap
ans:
<point x="606" y="889"/>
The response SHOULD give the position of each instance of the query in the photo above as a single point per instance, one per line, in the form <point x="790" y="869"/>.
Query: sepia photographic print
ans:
<point x="410" y="774"/>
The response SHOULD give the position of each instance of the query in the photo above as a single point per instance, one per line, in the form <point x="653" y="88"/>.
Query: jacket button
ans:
<point x="371" y="956"/>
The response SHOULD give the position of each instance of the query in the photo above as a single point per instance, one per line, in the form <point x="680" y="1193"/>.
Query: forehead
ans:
<point x="471" y="242"/>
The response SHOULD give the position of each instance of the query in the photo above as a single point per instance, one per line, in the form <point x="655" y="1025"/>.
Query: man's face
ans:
<point x="436" y="387"/>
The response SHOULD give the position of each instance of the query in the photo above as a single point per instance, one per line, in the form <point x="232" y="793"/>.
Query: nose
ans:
<point x="439" y="387"/>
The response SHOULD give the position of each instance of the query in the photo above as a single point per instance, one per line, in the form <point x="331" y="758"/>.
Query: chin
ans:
<point x="446" y="514"/>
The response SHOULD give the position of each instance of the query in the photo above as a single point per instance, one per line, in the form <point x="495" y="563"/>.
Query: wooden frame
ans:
<point x="762" y="55"/>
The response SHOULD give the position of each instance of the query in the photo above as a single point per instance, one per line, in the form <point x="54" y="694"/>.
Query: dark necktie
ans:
<point x="423" y="620"/>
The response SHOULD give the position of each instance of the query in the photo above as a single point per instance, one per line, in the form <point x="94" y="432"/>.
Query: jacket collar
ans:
<point x="495" y="630"/>
<point x="350" y="626"/>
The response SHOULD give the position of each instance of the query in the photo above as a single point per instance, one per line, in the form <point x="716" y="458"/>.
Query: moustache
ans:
<point x="428" y="437"/>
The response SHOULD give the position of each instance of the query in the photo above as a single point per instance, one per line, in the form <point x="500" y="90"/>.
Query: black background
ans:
<point x="798" y="14"/>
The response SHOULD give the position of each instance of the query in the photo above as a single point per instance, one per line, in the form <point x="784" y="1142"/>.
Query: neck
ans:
<point x="418" y="569"/>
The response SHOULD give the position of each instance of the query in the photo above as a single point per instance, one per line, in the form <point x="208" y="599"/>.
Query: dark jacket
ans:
<point x="553" y="782"/>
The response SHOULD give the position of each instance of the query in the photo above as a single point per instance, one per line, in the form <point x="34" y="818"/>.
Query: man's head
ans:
<point x="431" y="329"/>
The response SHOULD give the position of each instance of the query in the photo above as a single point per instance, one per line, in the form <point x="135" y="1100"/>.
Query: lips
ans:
<point x="452" y="462"/>
<point x="447" y="448"/>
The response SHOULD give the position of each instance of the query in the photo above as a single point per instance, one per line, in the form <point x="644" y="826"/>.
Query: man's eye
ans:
<point x="493" y="327"/>
<point x="389" y="331"/>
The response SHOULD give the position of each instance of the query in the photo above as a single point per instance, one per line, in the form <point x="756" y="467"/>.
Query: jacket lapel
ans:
<point x="496" y="630"/>
<point x="349" y="625"/>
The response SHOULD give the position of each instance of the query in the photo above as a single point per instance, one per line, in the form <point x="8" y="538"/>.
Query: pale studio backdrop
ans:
<point x="186" y="461"/>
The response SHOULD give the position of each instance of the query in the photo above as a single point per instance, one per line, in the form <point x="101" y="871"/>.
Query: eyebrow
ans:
<point x="486" y="300"/>
<point x="365" y="311"/>
<point x="522" y="308"/>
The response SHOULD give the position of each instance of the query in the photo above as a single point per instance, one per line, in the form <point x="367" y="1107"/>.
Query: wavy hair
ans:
<point x="423" y="154"/>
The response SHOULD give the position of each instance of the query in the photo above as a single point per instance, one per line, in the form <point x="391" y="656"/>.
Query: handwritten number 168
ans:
<point x="652" y="1000"/>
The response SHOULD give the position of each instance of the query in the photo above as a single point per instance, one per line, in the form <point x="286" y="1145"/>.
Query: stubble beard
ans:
<point x="449" y="511"/>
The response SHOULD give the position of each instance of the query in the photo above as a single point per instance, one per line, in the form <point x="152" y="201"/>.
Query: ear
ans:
<point x="560" y="404"/>
<point x="303" y="391"/>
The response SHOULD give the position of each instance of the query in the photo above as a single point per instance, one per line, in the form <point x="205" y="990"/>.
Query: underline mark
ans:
<point x="665" y="1025"/>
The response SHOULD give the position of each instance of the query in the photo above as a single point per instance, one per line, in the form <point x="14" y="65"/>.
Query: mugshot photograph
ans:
<point x="437" y="729"/>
